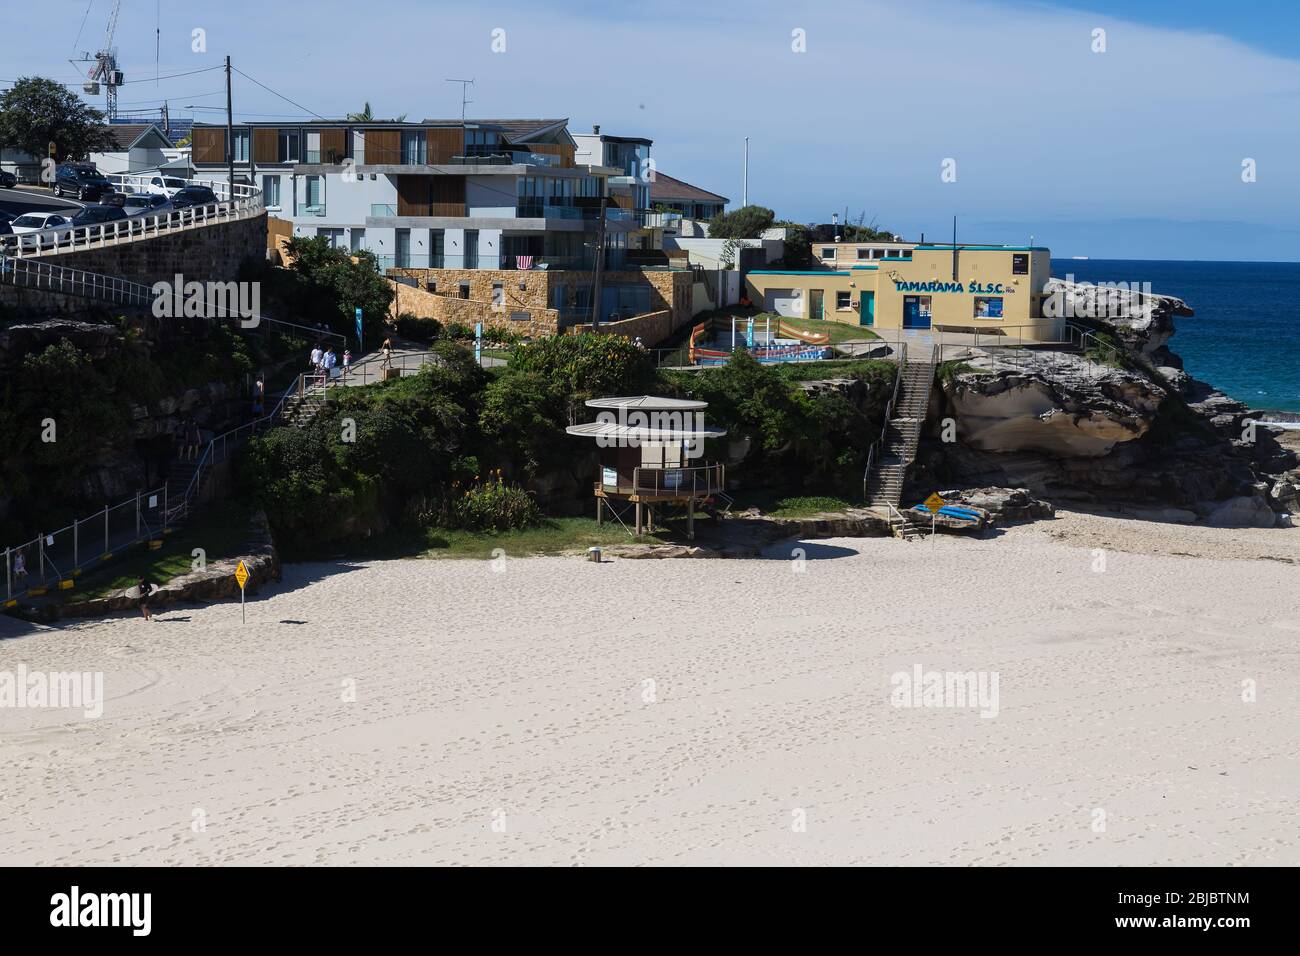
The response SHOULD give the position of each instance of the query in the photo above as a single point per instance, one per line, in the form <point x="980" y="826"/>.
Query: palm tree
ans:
<point x="367" y="116"/>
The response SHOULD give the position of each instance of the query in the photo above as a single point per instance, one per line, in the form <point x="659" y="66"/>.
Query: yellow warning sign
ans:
<point x="241" y="575"/>
<point x="934" y="503"/>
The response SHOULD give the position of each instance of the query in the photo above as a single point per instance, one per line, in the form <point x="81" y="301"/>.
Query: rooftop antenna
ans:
<point x="157" y="39"/>
<point x="464" y="95"/>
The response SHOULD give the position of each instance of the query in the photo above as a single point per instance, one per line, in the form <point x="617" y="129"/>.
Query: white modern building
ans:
<point x="442" y="194"/>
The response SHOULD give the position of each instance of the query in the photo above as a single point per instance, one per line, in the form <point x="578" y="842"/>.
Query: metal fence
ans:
<point x="53" y="559"/>
<point x="245" y="202"/>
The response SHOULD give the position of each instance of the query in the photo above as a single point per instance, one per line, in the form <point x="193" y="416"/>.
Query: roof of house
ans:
<point x="126" y="135"/>
<point x="666" y="187"/>
<point x="516" y="130"/>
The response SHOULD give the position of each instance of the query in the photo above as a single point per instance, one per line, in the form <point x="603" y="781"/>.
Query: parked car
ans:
<point x="7" y="179"/>
<point x="193" y="196"/>
<point x="164" y="185"/>
<point x="80" y="181"/>
<point x="146" y="204"/>
<point x="83" y="222"/>
<point x="36" y="221"/>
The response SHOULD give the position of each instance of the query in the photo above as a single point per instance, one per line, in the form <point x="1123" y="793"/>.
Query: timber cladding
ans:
<point x="333" y="145"/>
<point x="563" y="150"/>
<point x="266" y="145"/>
<point x="209" y="145"/>
<point x="383" y="147"/>
<point x="430" y="195"/>
<point x="444" y="143"/>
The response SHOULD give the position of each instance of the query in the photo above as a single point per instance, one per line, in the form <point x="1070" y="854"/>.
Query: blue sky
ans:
<point x="1135" y="152"/>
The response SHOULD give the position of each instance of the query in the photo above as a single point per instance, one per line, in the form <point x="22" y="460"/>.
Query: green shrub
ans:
<point x="418" y="328"/>
<point x="586" y="366"/>
<point x="490" y="505"/>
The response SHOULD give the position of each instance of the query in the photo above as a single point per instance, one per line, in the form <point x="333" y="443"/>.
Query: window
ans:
<point x="315" y="194"/>
<point x="241" y="145"/>
<point x="358" y="239"/>
<point x="864" y="253"/>
<point x="482" y="142"/>
<point x="271" y="191"/>
<point x="828" y="252"/>
<point x="436" y="239"/>
<point x="403" y="256"/>
<point x="333" y="236"/>
<point x="988" y="307"/>
<point x="498" y="295"/>
<point x="288" y="151"/>
<point x="415" y="147"/>
<point x="464" y="290"/>
<point x="1020" y="264"/>
<point x="843" y="300"/>
<point x="471" y="249"/>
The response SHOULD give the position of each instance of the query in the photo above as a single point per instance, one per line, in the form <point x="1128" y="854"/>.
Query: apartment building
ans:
<point x="437" y="198"/>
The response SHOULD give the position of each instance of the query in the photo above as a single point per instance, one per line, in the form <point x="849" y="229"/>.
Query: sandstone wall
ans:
<point x="212" y="252"/>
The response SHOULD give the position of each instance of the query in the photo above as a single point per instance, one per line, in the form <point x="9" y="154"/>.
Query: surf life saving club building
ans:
<point x="962" y="288"/>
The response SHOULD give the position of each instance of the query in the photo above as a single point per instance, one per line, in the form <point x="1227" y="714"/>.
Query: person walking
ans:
<point x="387" y="349"/>
<point x="347" y="363"/>
<point x="316" y="355"/>
<point x="146" y="590"/>
<point x="259" y="396"/>
<point x="195" y="439"/>
<point x="20" y="566"/>
<point x="328" y="362"/>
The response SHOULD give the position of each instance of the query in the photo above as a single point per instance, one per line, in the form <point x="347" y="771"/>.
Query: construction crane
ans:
<point x="102" y="69"/>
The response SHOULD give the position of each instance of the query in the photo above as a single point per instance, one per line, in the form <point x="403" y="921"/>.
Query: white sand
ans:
<point x="518" y="697"/>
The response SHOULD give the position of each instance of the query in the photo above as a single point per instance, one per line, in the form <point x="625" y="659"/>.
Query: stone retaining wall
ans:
<point x="210" y="252"/>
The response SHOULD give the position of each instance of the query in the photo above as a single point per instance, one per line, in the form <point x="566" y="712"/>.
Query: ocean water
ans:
<point x="1245" y="336"/>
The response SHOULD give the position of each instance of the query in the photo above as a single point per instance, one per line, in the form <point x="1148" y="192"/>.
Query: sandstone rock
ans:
<point x="1061" y="406"/>
<point x="1003" y="505"/>
<point x="1144" y="322"/>
<point x="1240" y="512"/>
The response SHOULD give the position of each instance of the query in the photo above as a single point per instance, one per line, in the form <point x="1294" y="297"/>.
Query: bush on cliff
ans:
<point x="585" y="366"/>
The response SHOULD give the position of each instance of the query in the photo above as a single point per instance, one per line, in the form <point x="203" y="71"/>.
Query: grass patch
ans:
<point x="779" y="505"/>
<point x="866" y="369"/>
<point x="552" y="536"/>
<point x="838" y="331"/>
<point x="221" y="531"/>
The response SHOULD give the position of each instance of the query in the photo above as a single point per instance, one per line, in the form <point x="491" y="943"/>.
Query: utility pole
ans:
<point x="230" y="137"/>
<point x="744" y="189"/>
<point x="600" y="265"/>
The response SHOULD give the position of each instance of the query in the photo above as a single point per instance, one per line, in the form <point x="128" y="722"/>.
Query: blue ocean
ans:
<point x="1245" y="336"/>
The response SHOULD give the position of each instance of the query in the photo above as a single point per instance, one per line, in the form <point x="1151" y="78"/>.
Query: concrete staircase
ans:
<point x="300" y="410"/>
<point x="897" y="447"/>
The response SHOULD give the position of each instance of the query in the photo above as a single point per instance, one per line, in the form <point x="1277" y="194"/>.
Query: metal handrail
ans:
<point x="688" y="481"/>
<point x="242" y="203"/>
<point x="889" y="411"/>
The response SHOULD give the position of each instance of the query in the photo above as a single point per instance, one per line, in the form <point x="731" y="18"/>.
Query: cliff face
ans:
<point x="1137" y="433"/>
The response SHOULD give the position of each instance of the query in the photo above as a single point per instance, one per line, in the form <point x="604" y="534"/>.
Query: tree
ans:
<point x="36" y="112"/>
<point x="333" y="278"/>
<point x="367" y="115"/>
<point x="798" y="245"/>
<point x="747" y="222"/>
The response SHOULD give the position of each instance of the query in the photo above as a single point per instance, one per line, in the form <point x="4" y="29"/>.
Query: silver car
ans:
<point x="146" y="204"/>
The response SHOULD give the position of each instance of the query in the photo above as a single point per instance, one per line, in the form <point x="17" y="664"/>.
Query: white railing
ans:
<point x="35" y="274"/>
<point x="244" y="203"/>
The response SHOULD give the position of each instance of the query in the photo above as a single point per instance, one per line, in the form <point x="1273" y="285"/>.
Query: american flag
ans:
<point x="523" y="262"/>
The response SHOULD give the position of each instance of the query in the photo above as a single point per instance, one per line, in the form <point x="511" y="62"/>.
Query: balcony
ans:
<point x="539" y="209"/>
<point x="317" y="209"/>
<point x="383" y="210"/>
<point x="700" y="481"/>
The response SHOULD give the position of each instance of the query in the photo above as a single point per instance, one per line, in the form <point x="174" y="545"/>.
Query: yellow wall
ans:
<point x="980" y="272"/>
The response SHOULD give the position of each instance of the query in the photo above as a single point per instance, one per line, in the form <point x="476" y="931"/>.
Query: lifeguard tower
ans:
<point x="651" y="455"/>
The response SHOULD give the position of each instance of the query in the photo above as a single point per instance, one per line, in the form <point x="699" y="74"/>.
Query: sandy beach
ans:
<point x="554" y="711"/>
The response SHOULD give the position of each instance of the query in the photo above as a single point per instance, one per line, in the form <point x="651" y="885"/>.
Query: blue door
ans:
<point x="916" y="311"/>
<point x="867" y="309"/>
